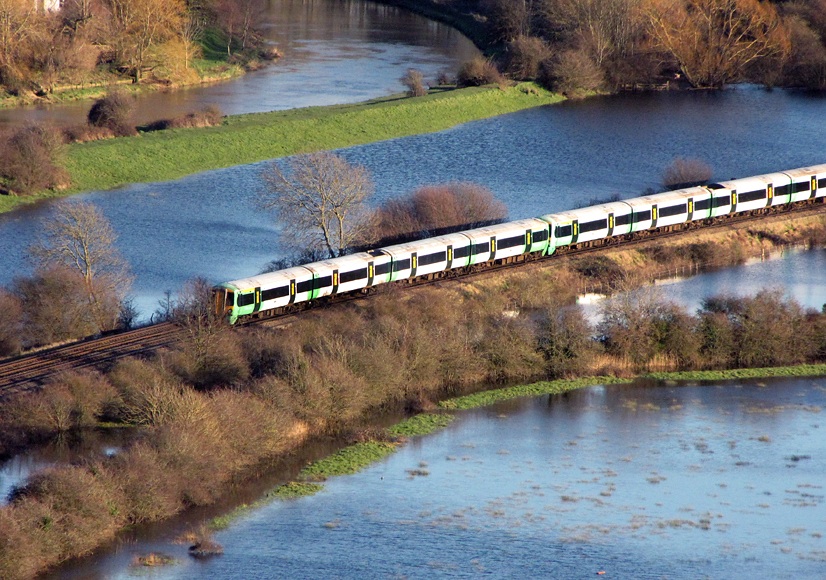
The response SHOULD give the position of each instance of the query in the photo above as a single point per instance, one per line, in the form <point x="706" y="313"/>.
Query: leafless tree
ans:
<point x="715" y="41"/>
<point x="80" y="238"/>
<point x="320" y="201"/>
<point x="683" y="172"/>
<point x="414" y="81"/>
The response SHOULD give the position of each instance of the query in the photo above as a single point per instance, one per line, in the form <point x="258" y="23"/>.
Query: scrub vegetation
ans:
<point x="215" y="410"/>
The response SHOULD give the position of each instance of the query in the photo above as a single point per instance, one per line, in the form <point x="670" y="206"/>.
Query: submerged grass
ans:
<point x="758" y="373"/>
<point x="541" y="388"/>
<point x="349" y="460"/>
<point x="423" y="424"/>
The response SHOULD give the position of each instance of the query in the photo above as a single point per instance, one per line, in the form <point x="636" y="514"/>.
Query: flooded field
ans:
<point x="640" y="481"/>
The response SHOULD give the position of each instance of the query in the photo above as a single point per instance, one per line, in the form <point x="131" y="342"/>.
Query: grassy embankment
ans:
<point x="171" y="154"/>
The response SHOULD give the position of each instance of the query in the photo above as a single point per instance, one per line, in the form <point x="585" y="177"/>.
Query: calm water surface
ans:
<point x="537" y="161"/>
<point x="334" y="51"/>
<point x="637" y="481"/>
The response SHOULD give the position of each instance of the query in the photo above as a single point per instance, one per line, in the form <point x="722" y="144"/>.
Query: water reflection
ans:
<point x="644" y="481"/>
<point x="333" y="52"/>
<point x="537" y="161"/>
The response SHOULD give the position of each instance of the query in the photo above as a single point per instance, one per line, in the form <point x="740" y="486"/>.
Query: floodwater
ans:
<point x="334" y="52"/>
<point x="640" y="481"/>
<point x="537" y="161"/>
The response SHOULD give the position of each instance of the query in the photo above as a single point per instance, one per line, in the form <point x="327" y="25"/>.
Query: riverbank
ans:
<point x="241" y="139"/>
<point x="216" y="410"/>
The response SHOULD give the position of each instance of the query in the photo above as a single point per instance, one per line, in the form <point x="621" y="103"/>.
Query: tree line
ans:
<point x="100" y="40"/>
<point x="582" y="45"/>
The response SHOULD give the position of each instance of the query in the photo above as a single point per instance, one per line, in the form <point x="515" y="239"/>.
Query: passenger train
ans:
<point x="449" y="255"/>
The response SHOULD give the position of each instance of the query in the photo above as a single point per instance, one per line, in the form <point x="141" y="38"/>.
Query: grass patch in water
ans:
<point x="758" y="373"/>
<point x="295" y="490"/>
<point x="486" y="398"/>
<point x="423" y="424"/>
<point x="349" y="460"/>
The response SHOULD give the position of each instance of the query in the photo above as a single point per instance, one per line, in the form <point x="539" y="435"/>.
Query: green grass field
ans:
<point x="171" y="154"/>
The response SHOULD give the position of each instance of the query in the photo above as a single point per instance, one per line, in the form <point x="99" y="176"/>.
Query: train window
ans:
<point x="642" y="216"/>
<point x="462" y="252"/>
<point x="540" y="236"/>
<point x="784" y="189"/>
<point x="798" y="187"/>
<point x="702" y="204"/>
<point x="752" y="195"/>
<point x="230" y="298"/>
<point x="382" y="269"/>
<point x="481" y="248"/>
<point x="622" y="220"/>
<point x="305" y="286"/>
<point x="324" y="282"/>
<point x="246" y="299"/>
<point x="821" y="182"/>
<point x="429" y="259"/>
<point x="563" y="231"/>
<point x="511" y="242"/>
<point x="593" y="226"/>
<point x="352" y="276"/>
<point x="721" y="201"/>
<point x="401" y="265"/>
<point x="274" y="293"/>
<point x="673" y="210"/>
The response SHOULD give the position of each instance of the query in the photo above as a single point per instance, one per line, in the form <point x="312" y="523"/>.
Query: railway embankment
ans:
<point x="241" y="139"/>
<point x="218" y="409"/>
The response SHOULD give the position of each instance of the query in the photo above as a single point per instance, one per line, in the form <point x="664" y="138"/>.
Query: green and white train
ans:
<point x="449" y="255"/>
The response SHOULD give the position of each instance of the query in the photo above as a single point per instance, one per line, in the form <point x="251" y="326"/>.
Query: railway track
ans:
<point x="33" y="370"/>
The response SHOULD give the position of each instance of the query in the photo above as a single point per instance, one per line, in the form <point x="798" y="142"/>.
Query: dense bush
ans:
<point x="524" y="56"/>
<point x="114" y="112"/>
<point x="414" y="81"/>
<point x="31" y="160"/>
<point x="572" y="73"/>
<point x="478" y="72"/>
<point x="684" y="172"/>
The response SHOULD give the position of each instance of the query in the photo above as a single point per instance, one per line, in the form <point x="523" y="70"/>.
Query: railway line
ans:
<point x="33" y="370"/>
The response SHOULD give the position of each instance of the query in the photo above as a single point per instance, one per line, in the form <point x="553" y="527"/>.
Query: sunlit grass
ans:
<point x="758" y="373"/>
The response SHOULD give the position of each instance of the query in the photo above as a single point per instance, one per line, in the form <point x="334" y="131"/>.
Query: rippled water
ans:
<point x="537" y="161"/>
<point x="637" y="481"/>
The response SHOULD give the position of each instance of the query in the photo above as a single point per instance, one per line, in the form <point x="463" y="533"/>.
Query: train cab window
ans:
<point x="230" y="299"/>
<point x="622" y="220"/>
<point x="246" y="299"/>
<point x="401" y="265"/>
<point x="274" y="293"/>
<point x="461" y="252"/>
<point x="563" y="231"/>
<point x="382" y="269"/>
<point x="481" y="248"/>
<point x="642" y="216"/>
<point x="721" y="201"/>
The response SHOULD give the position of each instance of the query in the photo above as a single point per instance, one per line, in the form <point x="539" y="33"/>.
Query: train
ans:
<point x="449" y="255"/>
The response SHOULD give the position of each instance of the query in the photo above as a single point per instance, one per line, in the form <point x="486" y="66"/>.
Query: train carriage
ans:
<point x="426" y="257"/>
<point x="502" y="242"/>
<point x="807" y="182"/>
<point x="752" y="194"/>
<point x="589" y="224"/>
<point x="248" y="296"/>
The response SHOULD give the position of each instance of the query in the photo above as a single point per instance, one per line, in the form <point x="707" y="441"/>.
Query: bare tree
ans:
<point x="80" y="238"/>
<point x="715" y="41"/>
<point x="321" y="201"/>
<point x="414" y="81"/>
<point x="682" y="172"/>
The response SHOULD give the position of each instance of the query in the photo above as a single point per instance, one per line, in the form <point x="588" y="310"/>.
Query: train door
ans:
<point x="414" y="261"/>
<point x="610" y="224"/>
<point x="653" y="216"/>
<point x="370" y="274"/>
<point x="257" y="306"/>
<point x="292" y="291"/>
<point x="690" y="215"/>
<point x="575" y="232"/>
<point x="769" y="194"/>
<point x="814" y="187"/>
<point x="335" y="282"/>
<point x="492" y="247"/>
<point x="449" y="257"/>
